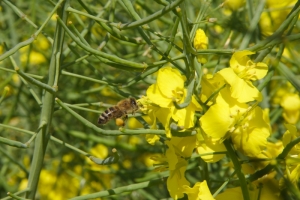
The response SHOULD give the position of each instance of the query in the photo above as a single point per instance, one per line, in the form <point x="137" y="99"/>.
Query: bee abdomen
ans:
<point x="110" y="113"/>
<point x="106" y="116"/>
<point x="102" y="120"/>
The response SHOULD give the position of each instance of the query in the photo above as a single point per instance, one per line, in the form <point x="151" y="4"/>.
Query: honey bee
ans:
<point x="120" y="110"/>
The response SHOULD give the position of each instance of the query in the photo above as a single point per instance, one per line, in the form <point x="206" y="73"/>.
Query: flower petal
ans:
<point x="199" y="191"/>
<point x="156" y="97"/>
<point x="251" y="136"/>
<point x="216" y="121"/>
<point x="184" y="145"/>
<point x="170" y="81"/>
<point x="175" y="182"/>
<point x="259" y="71"/>
<point x="242" y="90"/>
<point x="211" y="145"/>
<point x="239" y="60"/>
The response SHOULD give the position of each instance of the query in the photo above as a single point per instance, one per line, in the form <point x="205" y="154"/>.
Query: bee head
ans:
<point x="133" y="104"/>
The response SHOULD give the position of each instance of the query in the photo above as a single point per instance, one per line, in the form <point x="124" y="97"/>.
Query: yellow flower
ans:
<point x="209" y="146"/>
<point x="185" y="117"/>
<point x="269" y="154"/>
<point x="177" y="180"/>
<point x="41" y="44"/>
<point x="268" y="189"/>
<point x="234" y="4"/>
<point x="153" y="111"/>
<point x="274" y="15"/>
<point x="293" y="174"/>
<point x="223" y="115"/>
<point x="250" y="137"/>
<point x="178" y="150"/>
<point x="148" y="159"/>
<point x="201" y="42"/>
<point x="291" y="105"/>
<point x="170" y="88"/>
<point x="16" y="79"/>
<point x="198" y="192"/>
<point x="290" y="135"/>
<point x="245" y="68"/>
<point x="292" y="161"/>
<point x="53" y="185"/>
<point x="151" y="138"/>
<point x="210" y="84"/>
<point x="248" y="128"/>
<point x="240" y="74"/>
<point x="184" y="145"/>
<point x="100" y="151"/>
<point x="280" y="90"/>
<point x="133" y="123"/>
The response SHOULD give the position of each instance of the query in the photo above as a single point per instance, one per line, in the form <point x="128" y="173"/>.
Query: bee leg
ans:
<point x="121" y="121"/>
<point x="125" y="118"/>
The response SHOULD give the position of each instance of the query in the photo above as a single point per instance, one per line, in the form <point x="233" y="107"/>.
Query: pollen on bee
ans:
<point x="120" y="122"/>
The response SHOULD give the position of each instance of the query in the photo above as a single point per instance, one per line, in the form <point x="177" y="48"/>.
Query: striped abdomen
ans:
<point x="110" y="113"/>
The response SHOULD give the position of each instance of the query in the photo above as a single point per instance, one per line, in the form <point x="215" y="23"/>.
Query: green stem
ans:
<point x="70" y="9"/>
<point x="111" y="29"/>
<point x="43" y="135"/>
<point x="253" y="24"/>
<point x="24" y="77"/>
<point x="238" y="168"/>
<point x="214" y="51"/>
<point x="120" y="190"/>
<point x="113" y="58"/>
<point x="29" y="41"/>
<point x="166" y="54"/>
<point x="134" y="14"/>
<point x="5" y="91"/>
<point x="12" y="143"/>
<point x="20" y="13"/>
<point x="289" y="75"/>
<point x="93" y="138"/>
<point x="199" y="18"/>
<point x="287" y="183"/>
<point x="16" y="193"/>
<point x="102" y="140"/>
<point x="270" y="167"/>
<point x="152" y="17"/>
<point x="28" y="74"/>
<point x="278" y="33"/>
<point x="18" y="162"/>
<point x="36" y="82"/>
<point x="145" y="7"/>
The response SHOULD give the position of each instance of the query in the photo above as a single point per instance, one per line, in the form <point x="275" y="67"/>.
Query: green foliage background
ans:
<point x="34" y="45"/>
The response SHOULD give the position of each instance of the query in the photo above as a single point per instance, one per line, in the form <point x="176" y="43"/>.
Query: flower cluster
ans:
<point x="229" y="110"/>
